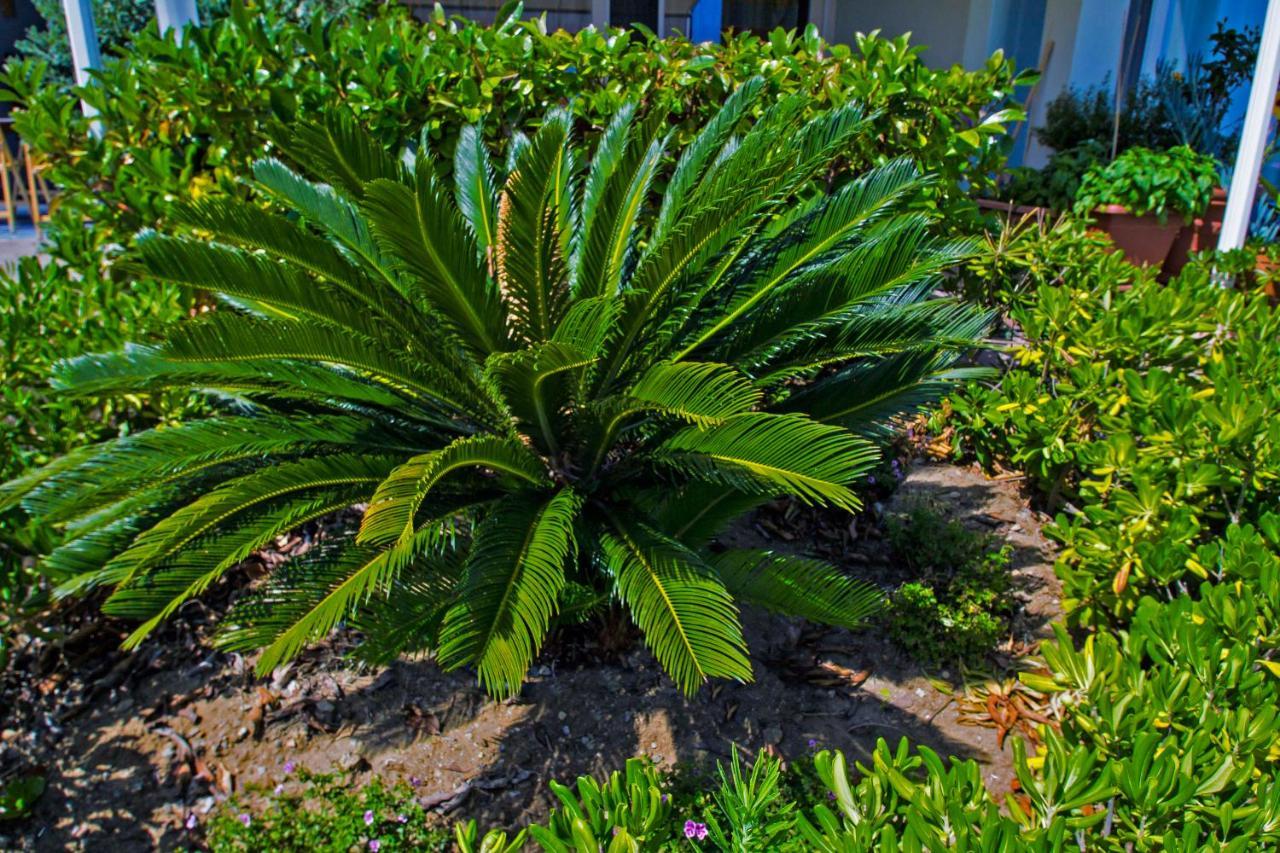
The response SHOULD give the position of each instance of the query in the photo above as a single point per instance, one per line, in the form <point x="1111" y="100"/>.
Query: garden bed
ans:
<point x="148" y="739"/>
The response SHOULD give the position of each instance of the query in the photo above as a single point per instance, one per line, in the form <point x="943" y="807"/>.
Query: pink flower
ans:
<point x="245" y="819"/>
<point x="402" y="818"/>
<point x="368" y="818"/>
<point x="289" y="767"/>
<point x="191" y="822"/>
<point x="375" y="845"/>
<point x="693" y="829"/>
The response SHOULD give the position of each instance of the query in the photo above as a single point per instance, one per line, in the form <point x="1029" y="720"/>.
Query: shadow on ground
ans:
<point x="121" y="779"/>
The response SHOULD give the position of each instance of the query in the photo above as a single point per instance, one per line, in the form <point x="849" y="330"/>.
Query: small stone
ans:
<point x="561" y="716"/>
<point x="773" y="734"/>
<point x="242" y="733"/>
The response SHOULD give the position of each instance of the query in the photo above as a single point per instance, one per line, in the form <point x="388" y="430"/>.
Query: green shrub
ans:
<point x="960" y="606"/>
<point x="194" y="116"/>
<point x="1145" y="408"/>
<point x="1158" y="183"/>
<point x="549" y="394"/>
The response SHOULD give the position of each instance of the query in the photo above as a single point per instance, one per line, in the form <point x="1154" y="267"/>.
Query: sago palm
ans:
<point x="546" y="387"/>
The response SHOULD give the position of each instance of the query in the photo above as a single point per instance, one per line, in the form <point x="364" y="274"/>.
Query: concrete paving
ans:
<point x="19" y="243"/>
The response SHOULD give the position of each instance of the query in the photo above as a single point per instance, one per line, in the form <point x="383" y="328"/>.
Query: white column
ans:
<point x="1253" y="136"/>
<point x="600" y="14"/>
<point x="176" y="14"/>
<point x="83" y="37"/>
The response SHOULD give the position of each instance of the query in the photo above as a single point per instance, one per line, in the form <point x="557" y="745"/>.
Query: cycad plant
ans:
<point x="545" y="387"/>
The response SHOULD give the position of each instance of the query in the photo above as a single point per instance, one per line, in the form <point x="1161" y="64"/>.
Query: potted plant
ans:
<point x="1143" y="197"/>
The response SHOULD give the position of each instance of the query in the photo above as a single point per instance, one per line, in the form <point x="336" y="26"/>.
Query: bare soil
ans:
<point x="132" y="744"/>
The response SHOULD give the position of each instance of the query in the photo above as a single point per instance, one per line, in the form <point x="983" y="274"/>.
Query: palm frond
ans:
<point x="688" y="618"/>
<point x="771" y="453"/>
<point x="477" y="189"/>
<point x="393" y="509"/>
<point x="423" y="234"/>
<point x="339" y="150"/>
<point x="304" y="602"/>
<point x="510" y="589"/>
<point x="211" y="511"/>
<point x="798" y="586"/>
<point x="532" y="262"/>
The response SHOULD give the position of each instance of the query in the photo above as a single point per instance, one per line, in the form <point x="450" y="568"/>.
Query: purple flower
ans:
<point x="245" y="819"/>
<point x="368" y="817"/>
<point x="415" y="781"/>
<point x="375" y="845"/>
<point x="693" y="829"/>
<point x="402" y="818"/>
<point x="666" y="797"/>
<point x="191" y="822"/>
<point x="813" y="744"/>
<point x="279" y="789"/>
<point x="831" y="795"/>
<point x="289" y="767"/>
<point x="871" y="478"/>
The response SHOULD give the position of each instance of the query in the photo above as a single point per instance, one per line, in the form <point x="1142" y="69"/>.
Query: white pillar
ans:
<point x="83" y="37"/>
<point x="1253" y="136"/>
<point x="176" y="14"/>
<point x="600" y="14"/>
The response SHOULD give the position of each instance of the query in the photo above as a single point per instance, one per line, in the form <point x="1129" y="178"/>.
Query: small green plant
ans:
<point x="19" y="794"/>
<point x="1145" y="182"/>
<point x="755" y="818"/>
<point x="629" y="812"/>
<point x="960" y="608"/>
<point x="324" y="812"/>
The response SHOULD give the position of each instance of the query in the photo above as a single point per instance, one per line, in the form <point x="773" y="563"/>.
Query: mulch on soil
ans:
<point x="134" y="743"/>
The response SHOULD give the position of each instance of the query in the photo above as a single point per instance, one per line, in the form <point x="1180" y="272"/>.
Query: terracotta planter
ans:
<point x="1144" y="240"/>
<point x="1266" y="265"/>
<point x="1199" y="235"/>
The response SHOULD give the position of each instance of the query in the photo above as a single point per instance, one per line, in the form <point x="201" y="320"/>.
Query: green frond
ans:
<point x="613" y="146"/>
<point x="325" y="208"/>
<point x="211" y="511"/>
<point x="531" y="259"/>
<point x="224" y="336"/>
<point x="406" y="620"/>
<point x="798" y="586"/>
<point x="689" y="620"/>
<point x="234" y="272"/>
<point x="231" y="221"/>
<point x="535" y="385"/>
<point x="698" y="512"/>
<point x="616" y="191"/>
<point x="821" y="237"/>
<point x="393" y="509"/>
<point x="338" y="150"/>
<point x="704" y="393"/>
<point x="866" y="396"/>
<point x="303" y="602"/>
<point x="477" y="191"/>
<point x="129" y="464"/>
<point x="424" y="236"/>
<point x="774" y="454"/>
<point x="143" y="368"/>
<point x="510" y="589"/>
<point x="700" y="154"/>
<point x="157" y="594"/>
